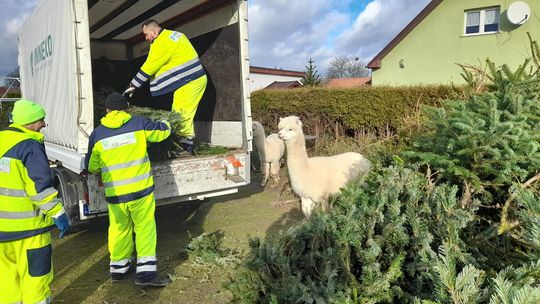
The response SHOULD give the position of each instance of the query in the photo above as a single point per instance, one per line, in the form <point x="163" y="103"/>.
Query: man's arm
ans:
<point x="39" y="182"/>
<point x="157" y="57"/>
<point x="156" y="131"/>
<point x="93" y="158"/>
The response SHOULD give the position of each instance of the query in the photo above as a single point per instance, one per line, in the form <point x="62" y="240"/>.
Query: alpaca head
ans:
<point x="257" y="128"/>
<point x="290" y="128"/>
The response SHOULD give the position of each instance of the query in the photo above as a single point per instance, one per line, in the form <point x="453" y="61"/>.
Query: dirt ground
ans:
<point x="81" y="259"/>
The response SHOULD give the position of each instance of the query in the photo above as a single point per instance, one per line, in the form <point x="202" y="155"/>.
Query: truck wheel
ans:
<point x="71" y="189"/>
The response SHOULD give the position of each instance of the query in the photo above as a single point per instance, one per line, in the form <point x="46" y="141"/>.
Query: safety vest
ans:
<point x="117" y="150"/>
<point x="26" y="185"/>
<point x="173" y="61"/>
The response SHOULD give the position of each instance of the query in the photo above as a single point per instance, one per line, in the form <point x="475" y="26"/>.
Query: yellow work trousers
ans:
<point x="185" y="102"/>
<point x="125" y="219"/>
<point x="26" y="270"/>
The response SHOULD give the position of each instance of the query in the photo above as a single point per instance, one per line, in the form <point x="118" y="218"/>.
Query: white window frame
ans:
<point x="482" y="24"/>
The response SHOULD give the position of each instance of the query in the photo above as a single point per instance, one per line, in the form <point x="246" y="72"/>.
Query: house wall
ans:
<point x="259" y="81"/>
<point x="431" y="50"/>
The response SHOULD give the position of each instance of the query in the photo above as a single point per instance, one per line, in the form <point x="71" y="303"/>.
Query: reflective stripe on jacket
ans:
<point x="26" y="185"/>
<point x="173" y="61"/>
<point x="117" y="150"/>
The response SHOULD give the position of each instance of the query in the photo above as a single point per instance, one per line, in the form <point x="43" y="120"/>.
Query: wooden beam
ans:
<point x="110" y="16"/>
<point x="196" y="12"/>
<point x="92" y="3"/>
<point x="140" y="19"/>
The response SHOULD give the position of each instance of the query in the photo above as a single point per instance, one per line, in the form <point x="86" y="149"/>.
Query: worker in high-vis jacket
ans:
<point x="173" y="66"/>
<point x="117" y="150"/>
<point x="29" y="209"/>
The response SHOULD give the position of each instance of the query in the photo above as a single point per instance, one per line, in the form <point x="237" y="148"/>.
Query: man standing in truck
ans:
<point x="29" y="208"/>
<point x="117" y="150"/>
<point x="174" y="65"/>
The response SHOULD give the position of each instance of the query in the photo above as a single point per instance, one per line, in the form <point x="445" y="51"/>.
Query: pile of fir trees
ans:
<point x="170" y="148"/>
<point x="456" y="219"/>
<point x="156" y="151"/>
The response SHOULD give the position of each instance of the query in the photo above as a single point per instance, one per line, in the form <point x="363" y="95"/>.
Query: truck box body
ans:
<point x="70" y="49"/>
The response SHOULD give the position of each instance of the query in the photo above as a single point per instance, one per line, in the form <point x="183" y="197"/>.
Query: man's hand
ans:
<point x="128" y="93"/>
<point x="63" y="223"/>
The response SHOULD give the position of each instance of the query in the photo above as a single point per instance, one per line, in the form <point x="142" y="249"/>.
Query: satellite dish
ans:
<point x="518" y="12"/>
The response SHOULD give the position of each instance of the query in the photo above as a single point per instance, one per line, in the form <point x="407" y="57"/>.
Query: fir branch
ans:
<point x="505" y="225"/>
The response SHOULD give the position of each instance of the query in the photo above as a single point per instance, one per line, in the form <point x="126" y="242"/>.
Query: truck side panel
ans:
<point x="50" y="69"/>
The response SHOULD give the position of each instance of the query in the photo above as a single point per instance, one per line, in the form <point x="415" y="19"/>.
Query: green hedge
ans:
<point x="347" y="111"/>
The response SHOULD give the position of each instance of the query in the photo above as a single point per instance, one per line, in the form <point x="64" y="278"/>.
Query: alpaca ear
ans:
<point x="281" y="118"/>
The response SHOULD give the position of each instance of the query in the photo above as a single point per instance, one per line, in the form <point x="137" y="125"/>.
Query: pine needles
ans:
<point x="424" y="229"/>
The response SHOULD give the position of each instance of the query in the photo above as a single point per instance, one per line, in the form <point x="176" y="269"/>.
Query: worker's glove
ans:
<point x="128" y="93"/>
<point x="63" y="223"/>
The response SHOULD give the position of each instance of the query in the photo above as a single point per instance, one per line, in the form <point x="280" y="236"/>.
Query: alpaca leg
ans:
<point x="325" y="205"/>
<point x="307" y="206"/>
<point x="274" y="171"/>
<point x="266" y="174"/>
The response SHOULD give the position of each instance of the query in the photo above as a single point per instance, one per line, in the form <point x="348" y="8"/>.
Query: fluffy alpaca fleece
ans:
<point x="271" y="150"/>
<point x="315" y="179"/>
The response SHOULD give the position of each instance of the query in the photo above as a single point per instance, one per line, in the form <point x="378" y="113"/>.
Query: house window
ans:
<point x="482" y="21"/>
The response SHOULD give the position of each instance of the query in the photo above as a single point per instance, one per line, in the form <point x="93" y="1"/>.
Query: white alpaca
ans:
<point x="271" y="150"/>
<point x="315" y="179"/>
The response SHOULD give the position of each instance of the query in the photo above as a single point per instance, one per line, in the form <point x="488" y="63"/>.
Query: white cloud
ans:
<point x="13" y="25"/>
<point x="293" y="31"/>
<point x="379" y="23"/>
<point x="285" y="34"/>
<point x="13" y="14"/>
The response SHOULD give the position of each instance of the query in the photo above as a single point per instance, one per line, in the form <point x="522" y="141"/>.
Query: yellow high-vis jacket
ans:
<point x="26" y="185"/>
<point x="117" y="150"/>
<point x="172" y="62"/>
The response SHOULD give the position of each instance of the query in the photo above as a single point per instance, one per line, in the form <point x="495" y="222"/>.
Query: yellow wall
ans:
<point x="430" y="52"/>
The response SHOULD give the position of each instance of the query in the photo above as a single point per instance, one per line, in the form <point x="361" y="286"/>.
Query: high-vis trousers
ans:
<point x="125" y="219"/>
<point x="185" y="102"/>
<point x="26" y="270"/>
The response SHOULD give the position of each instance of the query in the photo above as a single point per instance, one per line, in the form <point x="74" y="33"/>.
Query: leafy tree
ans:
<point x="311" y="76"/>
<point x="346" y="67"/>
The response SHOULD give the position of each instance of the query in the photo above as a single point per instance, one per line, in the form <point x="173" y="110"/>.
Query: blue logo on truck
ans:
<point x="42" y="52"/>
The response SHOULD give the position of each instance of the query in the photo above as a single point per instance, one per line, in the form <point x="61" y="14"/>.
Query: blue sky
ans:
<point x="283" y="33"/>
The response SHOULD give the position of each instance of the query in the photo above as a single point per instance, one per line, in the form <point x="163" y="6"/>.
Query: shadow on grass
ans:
<point x="82" y="261"/>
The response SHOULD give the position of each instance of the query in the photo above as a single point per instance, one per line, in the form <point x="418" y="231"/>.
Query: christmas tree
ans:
<point x="311" y="76"/>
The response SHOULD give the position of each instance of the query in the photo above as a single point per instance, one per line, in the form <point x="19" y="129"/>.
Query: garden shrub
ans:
<point x="346" y="111"/>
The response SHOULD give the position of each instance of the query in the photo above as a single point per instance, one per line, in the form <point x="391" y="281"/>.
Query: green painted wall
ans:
<point x="430" y="51"/>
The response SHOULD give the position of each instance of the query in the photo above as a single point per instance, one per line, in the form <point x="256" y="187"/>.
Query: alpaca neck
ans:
<point x="297" y="156"/>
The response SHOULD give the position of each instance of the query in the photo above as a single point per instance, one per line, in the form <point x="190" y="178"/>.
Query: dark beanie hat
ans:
<point x="116" y="101"/>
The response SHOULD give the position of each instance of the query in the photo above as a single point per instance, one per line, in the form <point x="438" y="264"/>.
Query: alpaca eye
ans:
<point x="290" y="129"/>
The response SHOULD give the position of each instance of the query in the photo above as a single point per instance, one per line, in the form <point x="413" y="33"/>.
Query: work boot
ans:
<point x="117" y="277"/>
<point x="155" y="282"/>
<point x="187" y="145"/>
<point x="190" y="148"/>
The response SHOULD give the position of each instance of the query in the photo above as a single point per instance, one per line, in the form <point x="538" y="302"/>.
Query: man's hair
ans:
<point x="151" y="23"/>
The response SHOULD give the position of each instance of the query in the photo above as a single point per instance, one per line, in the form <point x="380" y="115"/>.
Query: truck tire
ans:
<point x="71" y="189"/>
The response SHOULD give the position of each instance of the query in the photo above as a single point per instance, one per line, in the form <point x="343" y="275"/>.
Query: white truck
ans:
<point x="68" y="49"/>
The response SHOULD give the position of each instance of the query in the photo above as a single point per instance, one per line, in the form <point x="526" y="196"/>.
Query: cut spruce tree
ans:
<point x="455" y="219"/>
